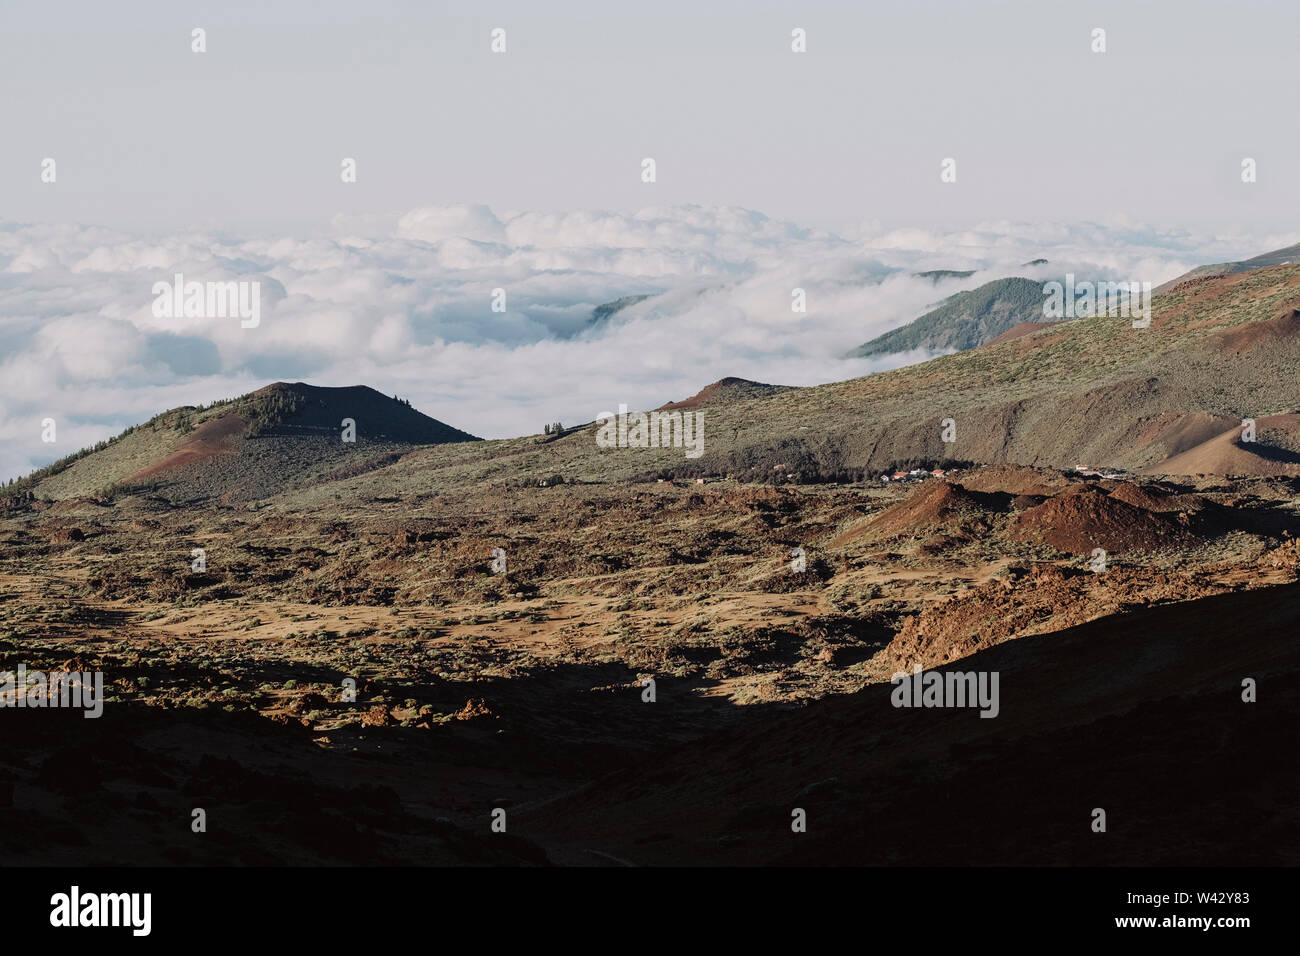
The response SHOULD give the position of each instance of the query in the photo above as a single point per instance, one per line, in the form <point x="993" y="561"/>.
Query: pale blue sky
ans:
<point x="249" y="135"/>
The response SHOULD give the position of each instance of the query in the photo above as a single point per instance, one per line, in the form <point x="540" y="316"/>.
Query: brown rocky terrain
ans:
<point x="385" y="641"/>
<point x="523" y="690"/>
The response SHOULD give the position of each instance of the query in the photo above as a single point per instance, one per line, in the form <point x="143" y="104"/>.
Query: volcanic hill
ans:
<point x="276" y="438"/>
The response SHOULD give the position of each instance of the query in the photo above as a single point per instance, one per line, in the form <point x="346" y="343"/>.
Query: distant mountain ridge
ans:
<point x="1278" y="257"/>
<point x="964" y="320"/>
<point x="607" y="310"/>
<point x="938" y="275"/>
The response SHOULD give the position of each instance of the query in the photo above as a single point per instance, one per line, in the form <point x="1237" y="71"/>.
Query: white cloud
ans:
<point x="404" y="303"/>
<point x="436" y="223"/>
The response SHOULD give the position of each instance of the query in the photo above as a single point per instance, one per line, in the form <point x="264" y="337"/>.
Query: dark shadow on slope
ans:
<point x="1139" y="715"/>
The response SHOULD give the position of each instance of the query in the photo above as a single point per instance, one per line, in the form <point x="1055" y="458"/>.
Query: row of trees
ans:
<point x="270" y="409"/>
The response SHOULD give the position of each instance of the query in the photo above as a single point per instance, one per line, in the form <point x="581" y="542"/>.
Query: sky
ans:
<point x="523" y="171"/>
<point x="250" y="134"/>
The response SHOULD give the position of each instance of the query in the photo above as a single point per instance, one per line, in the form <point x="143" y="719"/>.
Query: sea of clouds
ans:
<point x="403" y="303"/>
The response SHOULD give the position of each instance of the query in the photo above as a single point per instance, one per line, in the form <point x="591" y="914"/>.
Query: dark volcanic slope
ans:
<point x="319" y="409"/>
<point x="1161" y="740"/>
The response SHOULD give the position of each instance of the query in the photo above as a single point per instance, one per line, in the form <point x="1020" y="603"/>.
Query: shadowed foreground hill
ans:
<point x="1188" y="773"/>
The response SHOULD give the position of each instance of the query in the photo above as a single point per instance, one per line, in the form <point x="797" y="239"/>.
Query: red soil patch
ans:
<point x="377" y="716"/>
<point x="1151" y="498"/>
<point x="1212" y="289"/>
<point x="935" y="505"/>
<point x="1179" y="431"/>
<point x="474" y="708"/>
<point x="1049" y="598"/>
<point x="1227" y="454"/>
<point x="1192" y="283"/>
<point x="1253" y="335"/>
<point x="1014" y="480"/>
<point x="214" y="437"/>
<point x="1083" y="518"/>
<point x="1016" y="331"/>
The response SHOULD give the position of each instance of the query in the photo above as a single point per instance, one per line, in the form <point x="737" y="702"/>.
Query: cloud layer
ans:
<point x="404" y="303"/>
